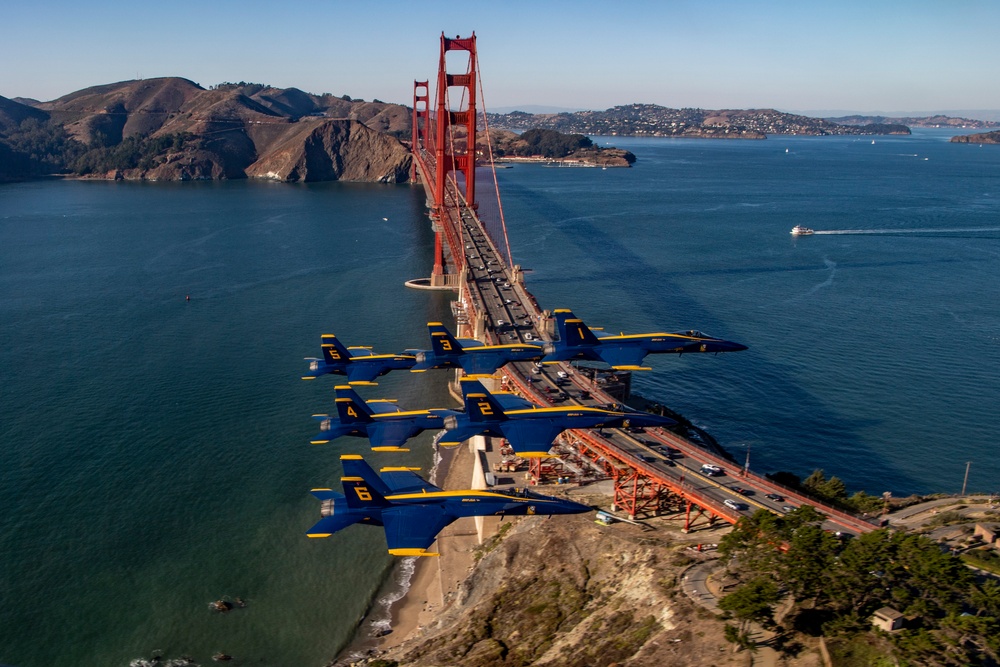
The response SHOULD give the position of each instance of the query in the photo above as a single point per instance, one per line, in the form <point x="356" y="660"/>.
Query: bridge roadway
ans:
<point x="646" y="464"/>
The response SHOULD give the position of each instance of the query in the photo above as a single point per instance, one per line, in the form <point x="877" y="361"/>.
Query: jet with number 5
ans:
<point x="529" y="429"/>
<point x="624" y="351"/>
<point x="386" y="425"/>
<point x="413" y="511"/>
<point x="472" y="356"/>
<point x="359" y="364"/>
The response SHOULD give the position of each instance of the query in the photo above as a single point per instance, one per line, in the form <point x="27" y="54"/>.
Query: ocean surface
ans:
<point x="154" y="450"/>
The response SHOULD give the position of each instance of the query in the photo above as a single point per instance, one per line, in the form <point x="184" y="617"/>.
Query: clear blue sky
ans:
<point x="876" y="55"/>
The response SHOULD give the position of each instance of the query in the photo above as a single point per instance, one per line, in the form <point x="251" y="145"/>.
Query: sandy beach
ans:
<point x="436" y="579"/>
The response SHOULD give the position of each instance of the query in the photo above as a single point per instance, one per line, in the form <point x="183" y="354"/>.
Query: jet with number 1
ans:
<point x="385" y="424"/>
<point x="359" y="364"/>
<point x="529" y="429"/>
<point x="624" y="351"/>
<point x="413" y="511"/>
<point x="469" y="354"/>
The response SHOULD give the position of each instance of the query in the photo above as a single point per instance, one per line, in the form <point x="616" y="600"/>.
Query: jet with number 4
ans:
<point x="413" y="511"/>
<point x="472" y="356"/>
<point x="359" y="364"/>
<point x="529" y="429"/>
<point x="624" y="351"/>
<point x="386" y="425"/>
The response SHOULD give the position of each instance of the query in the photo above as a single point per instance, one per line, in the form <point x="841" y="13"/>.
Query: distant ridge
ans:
<point x="652" y="120"/>
<point x="173" y="129"/>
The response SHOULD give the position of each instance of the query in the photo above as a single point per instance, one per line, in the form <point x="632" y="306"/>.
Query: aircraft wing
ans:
<point x="513" y="402"/>
<point x="482" y="362"/>
<point x="531" y="438"/>
<point x="622" y="356"/>
<point x="391" y="434"/>
<point x="460" y="434"/>
<point x="361" y="370"/>
<point x="411" y="529"/>
<point x="403" y="480"/>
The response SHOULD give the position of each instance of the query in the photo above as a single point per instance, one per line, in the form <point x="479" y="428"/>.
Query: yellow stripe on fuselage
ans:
<point x="464" y="494"/>
<point x="410" y="413"/>
<point x="351" y="457"/>
<point x="352" y="479"/>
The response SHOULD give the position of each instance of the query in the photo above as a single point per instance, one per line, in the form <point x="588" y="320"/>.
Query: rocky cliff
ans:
<point x="983" y="138"/>
<point x="565" y="591"/>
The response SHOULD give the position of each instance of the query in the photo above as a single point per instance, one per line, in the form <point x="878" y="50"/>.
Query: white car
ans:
<point x="563" y="374"/>
<point x="733" y="505"/>
<point x="711" y="470"/>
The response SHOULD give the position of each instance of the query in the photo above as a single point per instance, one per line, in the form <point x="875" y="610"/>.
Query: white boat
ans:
<point x="799" y="230"/>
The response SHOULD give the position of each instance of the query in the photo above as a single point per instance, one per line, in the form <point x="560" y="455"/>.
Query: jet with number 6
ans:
<point x="624" y="351"/>
<point x="413" y="511"/>
<point x="359" y="364"/>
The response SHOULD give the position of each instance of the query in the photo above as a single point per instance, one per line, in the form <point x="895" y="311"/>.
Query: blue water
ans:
<point x="154" y="451"/>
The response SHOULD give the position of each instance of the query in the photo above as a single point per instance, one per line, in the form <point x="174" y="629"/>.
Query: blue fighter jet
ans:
<point x="412" y="510"/>
<point x="359" y="364"/>
<point x="530" y="430"/>
<point x="624" y="351"/>
<point x="470" y="355"/>
<point x="386" y="426"/>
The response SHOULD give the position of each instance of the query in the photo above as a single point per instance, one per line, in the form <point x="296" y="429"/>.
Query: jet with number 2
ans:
<point x="413" y="511"/>
<point x="359" y="364"/>
<point x="385" y="424"/>
<point x="624" y="351"/>
<point x="529" y="429"/>
<point x="469" y="354"/>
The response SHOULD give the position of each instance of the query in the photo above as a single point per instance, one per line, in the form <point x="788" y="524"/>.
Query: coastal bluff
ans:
<point x="982" y="138"/>
<point x="173" y="129"/>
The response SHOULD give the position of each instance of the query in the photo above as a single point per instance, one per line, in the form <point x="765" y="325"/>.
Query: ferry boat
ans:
<point x="799" y="230"/>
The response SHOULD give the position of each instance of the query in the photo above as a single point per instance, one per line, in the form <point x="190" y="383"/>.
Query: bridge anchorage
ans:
<point x="655" y="472"/>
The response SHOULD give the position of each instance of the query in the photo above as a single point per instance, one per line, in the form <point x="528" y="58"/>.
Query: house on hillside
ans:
<point x="989" y="533"/>
<point x="887" y="619"/>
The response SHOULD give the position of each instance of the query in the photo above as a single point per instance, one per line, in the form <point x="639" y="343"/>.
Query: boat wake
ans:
<point x="963" y="230"/>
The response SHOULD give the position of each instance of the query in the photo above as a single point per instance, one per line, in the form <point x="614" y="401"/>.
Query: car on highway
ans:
<point x="711" y="470"/>
<point x="734" y="505"/>
<point x="743" y="492"/>
<point x="775" y="497"/>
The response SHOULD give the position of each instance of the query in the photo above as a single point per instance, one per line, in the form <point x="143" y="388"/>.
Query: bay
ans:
<point x="154" y="451"/>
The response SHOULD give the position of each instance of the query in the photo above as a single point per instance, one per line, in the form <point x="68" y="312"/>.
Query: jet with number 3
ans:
<point x="413" y="511"/>
<point x="469" y="354"/>
<point x="624" y="351"/>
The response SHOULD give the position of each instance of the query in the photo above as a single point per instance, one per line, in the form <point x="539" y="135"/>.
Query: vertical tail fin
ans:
<point x="442" y="342"/>
<point x="351" y="407"/>
<point x="362" y="485"/>
<point x="334" y="351"/>
<point x="572" y="330"/>
<point x="480" y="405"/>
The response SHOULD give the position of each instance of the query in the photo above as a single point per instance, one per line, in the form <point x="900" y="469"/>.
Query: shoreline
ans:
<point x="417" y="589"/>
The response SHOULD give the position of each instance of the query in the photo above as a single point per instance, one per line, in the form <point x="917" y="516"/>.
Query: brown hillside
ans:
<point x="326" y="150"/>
<point x="13" y="113"/>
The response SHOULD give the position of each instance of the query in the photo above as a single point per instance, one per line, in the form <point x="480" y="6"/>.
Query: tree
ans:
<point x="752" y="602"/>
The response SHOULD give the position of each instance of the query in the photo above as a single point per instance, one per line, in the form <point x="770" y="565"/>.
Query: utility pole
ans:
<point x="966" y="480"/>
<point x="746" y="465"/>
